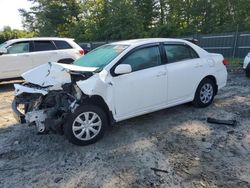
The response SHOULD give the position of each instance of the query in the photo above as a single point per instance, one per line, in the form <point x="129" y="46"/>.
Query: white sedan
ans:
<point x="115" y="82"/>
<point x="246" y="65"/>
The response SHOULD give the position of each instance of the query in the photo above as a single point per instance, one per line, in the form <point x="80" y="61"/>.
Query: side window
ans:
<point x="43" y="46"/>
<point x="62" y="44"/>
<point x="143" y="58"/>
<point x="177" y="52"/>
<point x="17" y="48"/>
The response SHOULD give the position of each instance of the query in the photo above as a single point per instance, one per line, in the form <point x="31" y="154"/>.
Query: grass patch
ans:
<point x="234" y="61"/>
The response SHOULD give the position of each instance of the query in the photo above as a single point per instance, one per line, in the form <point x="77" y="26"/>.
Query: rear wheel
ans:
<point x="205" y="92"/>
<point x="86" y="125"/>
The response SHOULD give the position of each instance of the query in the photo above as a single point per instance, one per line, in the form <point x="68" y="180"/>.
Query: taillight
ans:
<point x="225" y="62"/>
<point x="81" y="52"/>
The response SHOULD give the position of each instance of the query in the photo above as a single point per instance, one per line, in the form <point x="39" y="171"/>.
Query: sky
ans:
<point x="9" y="15"/>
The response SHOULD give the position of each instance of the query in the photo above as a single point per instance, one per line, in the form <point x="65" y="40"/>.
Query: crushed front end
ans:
<point x="47" y="109"/>
<point x="46" y="100"/>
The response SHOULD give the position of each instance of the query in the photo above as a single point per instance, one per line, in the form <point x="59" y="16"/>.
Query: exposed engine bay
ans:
<point x="47" y="107"/>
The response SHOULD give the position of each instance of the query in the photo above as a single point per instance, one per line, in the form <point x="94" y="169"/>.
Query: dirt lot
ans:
<point x="192" y="152"/>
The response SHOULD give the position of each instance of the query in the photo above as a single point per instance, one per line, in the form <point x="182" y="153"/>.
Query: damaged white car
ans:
<point x="115" y="82"/>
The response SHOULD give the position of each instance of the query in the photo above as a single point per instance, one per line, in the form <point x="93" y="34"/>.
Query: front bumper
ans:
<point x="17" y="114"/>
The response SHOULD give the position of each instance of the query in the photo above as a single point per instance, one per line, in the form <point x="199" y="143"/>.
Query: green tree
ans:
<point x="53" y="17"/>
<point x="7" y="33"/>
<point x="124" y="19"/>
<point x="146" y="12"/>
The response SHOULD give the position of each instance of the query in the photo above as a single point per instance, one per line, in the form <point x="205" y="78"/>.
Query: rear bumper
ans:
<point x="17" y="114"/>
<point x="221" y="78"/>
<point x="246" y="62"/>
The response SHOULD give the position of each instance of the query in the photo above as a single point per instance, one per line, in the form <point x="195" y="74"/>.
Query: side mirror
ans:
<point x="3" y="51"/>
<point x="123" y="69"/>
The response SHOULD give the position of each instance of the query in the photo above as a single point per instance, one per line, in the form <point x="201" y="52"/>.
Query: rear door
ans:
<point x="16" y="61"/>
<point x="184" y="69"/>
<point x="66" y="50"/>
<point x="44" y="51"/>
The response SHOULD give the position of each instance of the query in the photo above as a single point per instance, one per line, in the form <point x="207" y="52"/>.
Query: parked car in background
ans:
<point x="86" y="47"/>
<point x="19" y="55"/>
<point x="193" y="40"/>
<point x="246" y="65"/>
<point x="115" y="82"/>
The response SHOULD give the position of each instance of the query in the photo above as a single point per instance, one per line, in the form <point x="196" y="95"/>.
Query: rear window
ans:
<point x="43" y="46"/>
<point x="176" y="52"/>
<point x="62" y="44"/>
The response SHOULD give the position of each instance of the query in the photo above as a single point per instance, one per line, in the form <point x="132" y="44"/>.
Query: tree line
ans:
<point x="8" y="33"/>
<point x="102" y="20"/>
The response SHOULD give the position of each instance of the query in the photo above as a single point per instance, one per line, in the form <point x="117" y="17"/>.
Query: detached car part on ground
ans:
<point x="115" y="82"/>
<point x="246" y="65"/>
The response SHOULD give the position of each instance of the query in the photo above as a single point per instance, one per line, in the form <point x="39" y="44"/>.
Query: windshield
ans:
<point x="101" y="56"/>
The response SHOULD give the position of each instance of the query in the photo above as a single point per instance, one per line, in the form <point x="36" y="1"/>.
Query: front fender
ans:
<point x="100" y="86"/>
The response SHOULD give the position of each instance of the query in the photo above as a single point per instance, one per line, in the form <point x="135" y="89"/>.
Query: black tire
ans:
<point x="79" y="112"/>
<point x="248" y="73"/>
<point x="198" y="102"/>
<point x="248" y="70"/>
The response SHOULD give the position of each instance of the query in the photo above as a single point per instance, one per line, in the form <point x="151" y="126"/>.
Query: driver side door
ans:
<point x="145" y="88"/>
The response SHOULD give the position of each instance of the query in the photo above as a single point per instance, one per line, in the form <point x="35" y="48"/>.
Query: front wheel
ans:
<point x="86" y="125"/>
<point x="204" y="94"/>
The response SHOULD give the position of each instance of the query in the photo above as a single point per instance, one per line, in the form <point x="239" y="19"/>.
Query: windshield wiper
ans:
<point x="98" y="70"/>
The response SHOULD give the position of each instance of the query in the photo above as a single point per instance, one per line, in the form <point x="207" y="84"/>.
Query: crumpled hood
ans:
<point x="53" y="74"/>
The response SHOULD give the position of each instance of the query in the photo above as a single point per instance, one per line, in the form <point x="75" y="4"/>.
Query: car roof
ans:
<point x="136" y="42"/>
<point x="39" y="38"/>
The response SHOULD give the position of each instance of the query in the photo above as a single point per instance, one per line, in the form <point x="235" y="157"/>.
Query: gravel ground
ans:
<point x="192" y="152"/>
